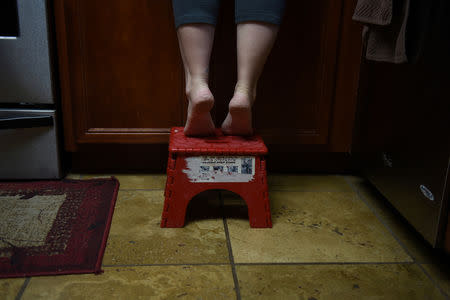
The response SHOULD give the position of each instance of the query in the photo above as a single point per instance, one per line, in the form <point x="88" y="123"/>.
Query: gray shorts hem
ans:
<point x="273" y="19"/>
<point x="190" y="19"/>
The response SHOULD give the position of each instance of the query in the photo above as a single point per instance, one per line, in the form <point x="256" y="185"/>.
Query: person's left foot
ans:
<point x="239" y="118"/>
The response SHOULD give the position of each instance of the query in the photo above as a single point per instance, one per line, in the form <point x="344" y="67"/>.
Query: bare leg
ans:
<point x="254" y="42"/>
<point x="195" y="46"/>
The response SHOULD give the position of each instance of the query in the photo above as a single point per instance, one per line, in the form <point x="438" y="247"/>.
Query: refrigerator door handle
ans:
<point x="14" y="122"/>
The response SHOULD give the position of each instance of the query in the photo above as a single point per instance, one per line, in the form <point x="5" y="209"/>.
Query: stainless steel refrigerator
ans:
<point x="29" y="112"/>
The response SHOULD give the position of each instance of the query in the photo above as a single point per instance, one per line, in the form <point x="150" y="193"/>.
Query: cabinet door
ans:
<point x="120" y="69"/>
<point x="296" y="90"/>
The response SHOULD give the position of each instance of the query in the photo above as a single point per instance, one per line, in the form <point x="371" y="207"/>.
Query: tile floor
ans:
<point x="333" y="237"/>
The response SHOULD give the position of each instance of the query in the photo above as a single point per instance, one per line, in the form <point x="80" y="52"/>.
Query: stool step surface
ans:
<point x="215" y="145"/>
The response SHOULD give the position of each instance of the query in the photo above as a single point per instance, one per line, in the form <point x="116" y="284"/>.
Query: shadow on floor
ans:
<point x="216" y="204"/>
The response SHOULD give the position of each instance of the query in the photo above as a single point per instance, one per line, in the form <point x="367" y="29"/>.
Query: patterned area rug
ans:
<point x="55" y="227"/>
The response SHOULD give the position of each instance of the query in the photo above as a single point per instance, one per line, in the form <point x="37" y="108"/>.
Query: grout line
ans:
<point x="271" y="263"/>
<point x="156" y="189"/>
<point x="433" y="281"/>
<point x="230" y="252"/>
<point x="356" y="190"/>
<point x="165" y="265"/>
<point x="287" y="191"/>
<point x="270" y="190"/>
<point x="22" y="288"/>
<point x="325" y="263"/>
<point x="309" y="191"/>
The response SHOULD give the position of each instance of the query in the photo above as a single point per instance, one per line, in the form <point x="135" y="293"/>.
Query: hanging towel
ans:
<point x="378" y="12"/>
<point x="385" y="31"/>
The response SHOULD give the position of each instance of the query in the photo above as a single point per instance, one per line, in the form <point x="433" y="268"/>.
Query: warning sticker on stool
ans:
<point x="220" y="168"/>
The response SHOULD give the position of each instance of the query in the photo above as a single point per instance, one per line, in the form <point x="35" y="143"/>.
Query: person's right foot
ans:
<point x="201" y="101"/>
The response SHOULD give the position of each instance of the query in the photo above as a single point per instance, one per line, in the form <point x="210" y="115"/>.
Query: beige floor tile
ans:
<point x="390" y="281"/>
<point x="440" y="273"/>
<point x="136" y="236"/>
<point x="315" y="227"/>
<point x="417" y="247"/>
<point x="354" y="178"/>
<point x="10" y="287"/>
<point x="170" y="282"/>
<point x="149" y="181"/>
<point x="288" y="182"/>
<point x="73" y="176"/>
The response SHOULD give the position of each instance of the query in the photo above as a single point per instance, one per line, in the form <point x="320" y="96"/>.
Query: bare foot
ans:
<point x="199" y="121"/>
<point x="239" y="118"/>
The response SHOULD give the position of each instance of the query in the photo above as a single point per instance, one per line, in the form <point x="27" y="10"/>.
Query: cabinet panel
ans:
<point x="296" y="90"/>
<point x="124" y="70"/>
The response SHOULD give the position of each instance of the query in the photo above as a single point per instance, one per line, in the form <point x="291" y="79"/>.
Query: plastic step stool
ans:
<point x="232" y="163"/>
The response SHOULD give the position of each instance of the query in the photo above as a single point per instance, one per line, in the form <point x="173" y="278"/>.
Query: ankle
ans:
<point x="194" y="83"/>
<point x="247" y="89"/>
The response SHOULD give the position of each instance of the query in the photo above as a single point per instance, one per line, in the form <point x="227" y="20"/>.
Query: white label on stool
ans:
<point x="220" y="168"/>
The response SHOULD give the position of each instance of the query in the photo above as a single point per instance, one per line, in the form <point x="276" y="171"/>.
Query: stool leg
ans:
<point x="258" y="208"/>
<point x="174" y="212"/>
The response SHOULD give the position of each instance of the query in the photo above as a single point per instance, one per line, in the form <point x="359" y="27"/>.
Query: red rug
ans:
<point x="55" y="227"/>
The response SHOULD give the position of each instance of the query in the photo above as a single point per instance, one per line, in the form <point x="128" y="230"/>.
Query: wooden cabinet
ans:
<point x="122" y="77"/>
<point x="121" y="74"/>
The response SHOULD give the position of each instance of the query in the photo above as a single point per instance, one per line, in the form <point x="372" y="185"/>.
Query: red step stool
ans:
<point x="231" y="163"/>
